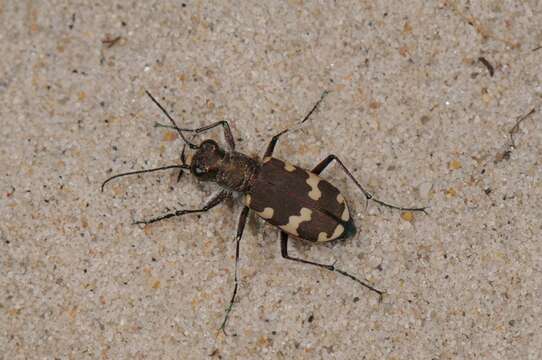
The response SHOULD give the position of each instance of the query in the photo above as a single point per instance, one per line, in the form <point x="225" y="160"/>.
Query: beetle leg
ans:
<point x="284" y="251"/>
<point x="225" y="125"/>
<point x="214" y="201"/>
<point x="240" y="227"/>
<point x="183" y="161"/>
<point x="272" y="143"/>
<point x="274" y="139"/>
<point x="227" y="132"/>
<point x="322" y="165"/>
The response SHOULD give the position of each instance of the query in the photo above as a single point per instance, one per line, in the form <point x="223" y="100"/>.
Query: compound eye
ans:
<point x="209" y="145"/>
<point x="199" y="170"/>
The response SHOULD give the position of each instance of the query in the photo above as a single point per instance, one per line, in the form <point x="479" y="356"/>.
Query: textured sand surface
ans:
<point x="412" y="111"/>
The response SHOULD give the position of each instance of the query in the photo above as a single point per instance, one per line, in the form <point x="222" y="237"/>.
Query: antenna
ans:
<point x="184" y="166"/>
<point x="190" y="145"/>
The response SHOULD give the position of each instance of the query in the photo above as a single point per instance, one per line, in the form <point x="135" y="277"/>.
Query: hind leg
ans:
<point x="284" y="252"/>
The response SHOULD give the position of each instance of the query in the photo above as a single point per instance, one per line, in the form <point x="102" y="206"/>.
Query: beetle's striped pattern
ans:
<point x="345" y="216"/>
<point x="313" y="181"/>
<point x="299" y="202"/>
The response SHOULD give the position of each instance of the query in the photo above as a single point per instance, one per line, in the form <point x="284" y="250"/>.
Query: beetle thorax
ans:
<point x="237" y="172"/>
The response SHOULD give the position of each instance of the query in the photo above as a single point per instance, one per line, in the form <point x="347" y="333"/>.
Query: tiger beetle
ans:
<point x="298" y="202"/>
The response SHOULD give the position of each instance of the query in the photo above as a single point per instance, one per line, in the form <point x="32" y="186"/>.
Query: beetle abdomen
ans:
<point x="299" y="202"/>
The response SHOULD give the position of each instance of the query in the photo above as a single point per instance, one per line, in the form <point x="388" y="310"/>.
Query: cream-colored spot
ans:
<point x="267" y="213"/>
<point x="346" y="214"/>
<point x="295" y="220"/>
<point x="338" y="232"/>
<point x="288" y="167"/>
<point x="313" y="181"/>
<point x="266" y="159"/>
<point x="247" y="199"/>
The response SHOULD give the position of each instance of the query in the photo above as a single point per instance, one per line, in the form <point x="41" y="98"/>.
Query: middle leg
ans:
<point x="274" y="139"/>
<point x="324" y="163"/>
<point x="240" y="228"/>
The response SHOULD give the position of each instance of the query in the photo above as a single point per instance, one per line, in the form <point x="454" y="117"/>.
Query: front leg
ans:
<point x="214" y="201"/>
<point x="225" y="125"/>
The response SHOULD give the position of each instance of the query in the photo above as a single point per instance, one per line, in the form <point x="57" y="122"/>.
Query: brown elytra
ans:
<point x="298" y="202"/>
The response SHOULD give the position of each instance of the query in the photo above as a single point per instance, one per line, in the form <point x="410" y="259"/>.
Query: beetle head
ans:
<point x="206" y="161"/>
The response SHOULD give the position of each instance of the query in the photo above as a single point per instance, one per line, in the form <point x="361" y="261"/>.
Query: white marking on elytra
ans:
<point x="288" y="167"/>
<point x="247" y="199"/>
<point x="266" y="159"/>
<point x="313" y="181"/>
<point x="267" y="213"/>
<point x="295" y="220"/>
<point x="338" y="232"/>
<point x="346" y="214"/>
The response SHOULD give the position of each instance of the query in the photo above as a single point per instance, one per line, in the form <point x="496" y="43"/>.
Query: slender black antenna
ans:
<point x="191" y="145"/>
<point x="186" y="167"/>
<point x="324" y="94"/>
